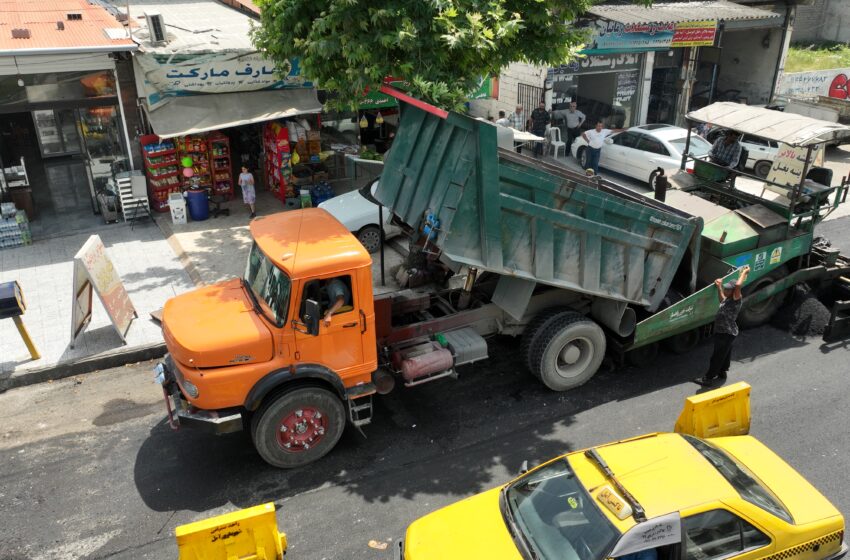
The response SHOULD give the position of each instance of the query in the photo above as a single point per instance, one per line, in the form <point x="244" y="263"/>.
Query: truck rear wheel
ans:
<point x="568" y="351"/>
<point x="757" y="314"/>
<point x="533" y="329"/>
<point x="298" y="427"/>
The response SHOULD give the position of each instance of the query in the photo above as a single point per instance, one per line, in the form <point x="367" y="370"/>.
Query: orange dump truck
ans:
<point x="296" y="349"/>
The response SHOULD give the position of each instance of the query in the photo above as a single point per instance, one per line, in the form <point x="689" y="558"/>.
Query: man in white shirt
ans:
<point x="595" y="139"/>
<point x="503" y="119"/>
<point x="574" y="119"/>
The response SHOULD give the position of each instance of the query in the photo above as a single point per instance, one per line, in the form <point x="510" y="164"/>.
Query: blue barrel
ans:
<point x="199" y="207"/>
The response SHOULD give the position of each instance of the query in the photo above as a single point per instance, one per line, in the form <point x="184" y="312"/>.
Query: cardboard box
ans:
<point x="313" y="135"/>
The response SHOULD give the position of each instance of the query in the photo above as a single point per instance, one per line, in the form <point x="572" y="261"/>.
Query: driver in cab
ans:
<point x="726" y="151"/>
<point x="338" y="296"/>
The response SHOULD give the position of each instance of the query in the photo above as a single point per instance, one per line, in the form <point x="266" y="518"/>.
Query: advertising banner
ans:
<point x="229" y="72"/>
<point x="610" y="36"/>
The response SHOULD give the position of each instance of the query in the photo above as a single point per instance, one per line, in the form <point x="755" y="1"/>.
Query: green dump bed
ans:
<point x="513" y="215"/>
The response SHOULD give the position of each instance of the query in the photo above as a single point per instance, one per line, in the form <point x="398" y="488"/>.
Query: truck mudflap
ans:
<point x="718" y="413"/>
<point x="182" y="413"/>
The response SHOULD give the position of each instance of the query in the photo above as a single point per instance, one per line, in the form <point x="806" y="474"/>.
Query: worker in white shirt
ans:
<point x="595" y="139"/>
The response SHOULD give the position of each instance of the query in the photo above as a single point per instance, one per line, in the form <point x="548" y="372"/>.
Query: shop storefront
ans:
<point x="65" y="129"/>
<point x="605" y="87"/>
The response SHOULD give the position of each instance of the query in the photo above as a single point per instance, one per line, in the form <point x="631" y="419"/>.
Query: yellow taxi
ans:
<point x="663" y="496"/>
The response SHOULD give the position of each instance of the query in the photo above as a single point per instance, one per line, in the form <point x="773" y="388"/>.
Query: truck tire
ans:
<point x="533" y="329"/>
<point x="297" y="427"/>
<point x="752" y="316"/>
<point x="643" y="356"/>
<point x="568" y="351"/>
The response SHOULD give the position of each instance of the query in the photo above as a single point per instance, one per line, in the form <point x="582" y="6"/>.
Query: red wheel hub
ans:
<point x="301" y="429"/>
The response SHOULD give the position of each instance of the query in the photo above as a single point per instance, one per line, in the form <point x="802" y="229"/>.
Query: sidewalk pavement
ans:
<point x="151" y="274"/>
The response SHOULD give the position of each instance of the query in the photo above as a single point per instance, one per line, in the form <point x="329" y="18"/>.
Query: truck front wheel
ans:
<point x="568" y="351"/>
<point x="298" y="427"/>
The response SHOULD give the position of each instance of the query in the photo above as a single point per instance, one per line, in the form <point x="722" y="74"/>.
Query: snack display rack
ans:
<point x="162" y="169"/>
<point x="222" y="177"/>
<point x="195" y="146"/>
<point x="278" y="168"/>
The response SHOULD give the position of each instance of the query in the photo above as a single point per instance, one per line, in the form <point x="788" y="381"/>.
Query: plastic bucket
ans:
<point x="199" y="207"/>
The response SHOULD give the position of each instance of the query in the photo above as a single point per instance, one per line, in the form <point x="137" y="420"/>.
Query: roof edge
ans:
<point x="69" y="50"/>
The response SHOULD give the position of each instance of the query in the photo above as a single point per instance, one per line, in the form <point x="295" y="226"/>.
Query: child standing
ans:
<point x="249" y="195"/>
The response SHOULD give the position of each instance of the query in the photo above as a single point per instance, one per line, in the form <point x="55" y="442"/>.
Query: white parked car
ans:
<point x="360" y="216"/>
<point x="761" y="152"/>
<point x="640" y="150"/>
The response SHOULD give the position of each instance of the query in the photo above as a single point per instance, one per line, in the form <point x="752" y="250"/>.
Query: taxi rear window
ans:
<point x="742" y="481"/>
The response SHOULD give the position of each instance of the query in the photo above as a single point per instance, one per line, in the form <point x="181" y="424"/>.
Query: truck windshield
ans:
<point x="741" y="480"/>
<point x="269" y="286"/>
<point x="557" y="517"/>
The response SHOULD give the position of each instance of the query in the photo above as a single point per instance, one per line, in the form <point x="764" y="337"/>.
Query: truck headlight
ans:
<point x="190" y="389"/>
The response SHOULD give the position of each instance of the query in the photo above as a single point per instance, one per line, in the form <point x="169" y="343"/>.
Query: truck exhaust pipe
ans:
<point x="616" y="315"/>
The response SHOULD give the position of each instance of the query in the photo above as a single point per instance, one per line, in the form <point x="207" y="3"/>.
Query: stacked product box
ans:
<point x="14" y="227"/>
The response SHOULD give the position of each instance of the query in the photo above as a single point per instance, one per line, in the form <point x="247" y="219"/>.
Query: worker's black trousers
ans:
<point x="721" y="357"/>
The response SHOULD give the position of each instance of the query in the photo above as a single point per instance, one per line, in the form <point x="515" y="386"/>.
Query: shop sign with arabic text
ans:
<point x="214" y="73"/>
<point x="608" y="36"/>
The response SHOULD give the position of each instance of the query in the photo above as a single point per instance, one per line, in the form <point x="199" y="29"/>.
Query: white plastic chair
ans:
<point x="555" y="142"/>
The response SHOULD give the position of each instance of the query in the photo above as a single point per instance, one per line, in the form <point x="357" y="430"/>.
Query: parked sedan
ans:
<point x="360" y="216"/>
<point x="640" y="150"/>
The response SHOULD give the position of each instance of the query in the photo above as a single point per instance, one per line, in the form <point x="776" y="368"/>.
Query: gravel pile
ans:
<point x="803" y="314"/>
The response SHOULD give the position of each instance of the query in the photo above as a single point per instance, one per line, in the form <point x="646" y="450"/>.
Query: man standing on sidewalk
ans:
<point x="575" y="119"/>
<point x="595" y="139"/>
<point x="539" y="119"/>
<point x="725" y="329"/>
<point x="517" y="122"/>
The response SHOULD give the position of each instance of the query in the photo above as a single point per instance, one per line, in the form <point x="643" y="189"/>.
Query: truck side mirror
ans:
<point x="312" y="315"/>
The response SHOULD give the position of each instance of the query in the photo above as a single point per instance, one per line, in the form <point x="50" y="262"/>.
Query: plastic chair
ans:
<point x="555" y="141"/>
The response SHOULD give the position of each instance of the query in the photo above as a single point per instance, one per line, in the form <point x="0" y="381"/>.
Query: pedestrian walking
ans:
<point x="249" y="195"/>
<point x="575" y="119"/>
<point x="725" y="329"/>
<point x="595" y="139"/>
<point x="503" y="119"/>
<point x="517" y="122"/>
<point x="540" y="118"/>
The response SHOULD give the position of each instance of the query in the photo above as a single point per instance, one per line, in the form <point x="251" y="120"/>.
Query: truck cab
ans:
<point x="263" y="351"/>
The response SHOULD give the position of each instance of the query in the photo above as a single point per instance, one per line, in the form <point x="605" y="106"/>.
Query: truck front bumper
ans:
<point x="182" y="413"/>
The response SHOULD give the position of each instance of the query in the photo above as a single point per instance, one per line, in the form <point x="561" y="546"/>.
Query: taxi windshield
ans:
<point x="741" y="480"/>
<point x="268" y="286"/>
<point x="557" y="517"/>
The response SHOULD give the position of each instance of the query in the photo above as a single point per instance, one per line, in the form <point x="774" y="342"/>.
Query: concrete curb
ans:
<point x="62" y="370"/>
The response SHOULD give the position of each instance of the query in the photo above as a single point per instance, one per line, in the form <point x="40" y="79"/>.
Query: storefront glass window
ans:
<point x="57" y="132"/>
<point x="101" y="131"/>
<point x="57" y="86"/>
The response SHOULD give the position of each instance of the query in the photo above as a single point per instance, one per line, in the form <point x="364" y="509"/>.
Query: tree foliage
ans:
<point x="441" y="47"/>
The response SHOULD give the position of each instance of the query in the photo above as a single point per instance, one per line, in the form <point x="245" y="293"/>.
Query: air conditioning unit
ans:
<point x="156" y="27"/>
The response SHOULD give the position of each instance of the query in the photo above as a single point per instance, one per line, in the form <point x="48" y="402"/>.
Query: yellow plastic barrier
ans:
<point x="248" y="534"/>
<point x="721" y="412"/>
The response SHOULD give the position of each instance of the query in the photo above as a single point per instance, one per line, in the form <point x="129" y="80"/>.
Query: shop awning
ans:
<point x="201" y="113"/>
<point x="678" y="12"/>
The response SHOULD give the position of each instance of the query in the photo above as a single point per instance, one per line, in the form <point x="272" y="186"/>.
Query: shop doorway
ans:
<point x="59" y="166"/>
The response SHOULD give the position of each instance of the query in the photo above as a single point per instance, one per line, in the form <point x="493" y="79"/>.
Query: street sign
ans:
<point x="94" y="272"/>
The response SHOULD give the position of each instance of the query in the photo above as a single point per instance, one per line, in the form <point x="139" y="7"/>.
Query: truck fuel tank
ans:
<point x="421" y="360"/>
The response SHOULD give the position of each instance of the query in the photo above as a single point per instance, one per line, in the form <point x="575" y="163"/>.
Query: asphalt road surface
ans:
<point x="89" y="469"/>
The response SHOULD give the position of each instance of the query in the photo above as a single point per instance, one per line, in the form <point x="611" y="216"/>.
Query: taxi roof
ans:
<point x="662" y="471"/>
<point x="308" y="242"/>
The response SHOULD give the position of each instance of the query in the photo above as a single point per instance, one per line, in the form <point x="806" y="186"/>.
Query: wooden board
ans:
<point x="94" y="272"/>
